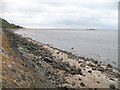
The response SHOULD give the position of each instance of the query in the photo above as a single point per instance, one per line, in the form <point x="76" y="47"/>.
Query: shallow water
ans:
<point x="100" y="45"/>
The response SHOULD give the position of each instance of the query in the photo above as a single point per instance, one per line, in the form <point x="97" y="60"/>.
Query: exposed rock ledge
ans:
<point x="61" y="68"/>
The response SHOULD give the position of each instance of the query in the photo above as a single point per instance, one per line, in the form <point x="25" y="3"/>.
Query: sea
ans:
<point x="102" y="45"/>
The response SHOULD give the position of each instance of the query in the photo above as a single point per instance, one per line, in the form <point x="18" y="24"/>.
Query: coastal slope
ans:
<point x="27" y="63"/>
<point x="17" y="73"/>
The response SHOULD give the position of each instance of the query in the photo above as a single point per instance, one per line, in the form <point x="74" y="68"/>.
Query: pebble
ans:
<point x="90" y="71"/>
<point x="82" y="84"/>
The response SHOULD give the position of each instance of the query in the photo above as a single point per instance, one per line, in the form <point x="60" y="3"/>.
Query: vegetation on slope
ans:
<point x="5" y="24"/>
<point x="16" y="72"/>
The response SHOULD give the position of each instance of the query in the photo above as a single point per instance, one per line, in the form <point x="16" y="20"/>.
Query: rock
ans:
<point x="80" y="79"/>
<point x="55" y="65"/>
<point x="96" y="62"/>
<point x="91" y="65"/>
<point x="82" y="84"/>
<point x="13" y="70"/>
<point x="109" y="65"/>
<point x="82" y="65"/>
<point x="72" y="48"/>
<point x="98" y="82"/>
<point x="84" y="75"/>
<point x="79" y="61"/>
<point x="112" y="79"/>
<point x="112" y="86"/>
<point x="61" y="58"/>
<point x="84" y="69"/>
<point x="79" y="71"/>
<point x="94" y="68"/>
<point x="82" y="58"/>
<point x="73" y="83"/>
<point x="98" y="65"/>
<point x="76" y="71"/>
<point x="109" y="69"/>
<point x="90" y="71"/>
<point x="58" y="52"/>
<point x="47" y="59"/>
<point x="66" y="87"/>
<point x="101" y="69"/>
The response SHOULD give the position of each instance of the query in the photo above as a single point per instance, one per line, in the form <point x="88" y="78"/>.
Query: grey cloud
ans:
<point x="61" y="13"/>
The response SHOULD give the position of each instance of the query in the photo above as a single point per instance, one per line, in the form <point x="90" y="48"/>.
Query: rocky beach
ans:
<point x="37" y="65"/>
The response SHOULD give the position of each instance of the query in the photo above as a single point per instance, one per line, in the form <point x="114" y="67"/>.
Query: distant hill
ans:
<point x="6" y="24"/>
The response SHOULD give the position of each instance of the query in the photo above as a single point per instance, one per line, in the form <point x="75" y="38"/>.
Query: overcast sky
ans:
<point x="100" y="14"/>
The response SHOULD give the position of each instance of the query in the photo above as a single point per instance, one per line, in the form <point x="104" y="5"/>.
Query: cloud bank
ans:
<point x="100" y="14"/>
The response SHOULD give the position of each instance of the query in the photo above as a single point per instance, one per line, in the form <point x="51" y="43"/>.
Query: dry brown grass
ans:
<point x="8" y="57"/>
<point x="5" y="43"/>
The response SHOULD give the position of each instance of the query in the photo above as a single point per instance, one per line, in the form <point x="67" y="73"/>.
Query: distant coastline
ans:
<point x="91" y="29"/>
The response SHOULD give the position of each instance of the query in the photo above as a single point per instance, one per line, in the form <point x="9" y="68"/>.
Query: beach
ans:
<point x="62" y="68"/>
<point x="100" y="45"/>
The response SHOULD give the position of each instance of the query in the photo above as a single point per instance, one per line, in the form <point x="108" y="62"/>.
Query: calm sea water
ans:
<point x="98" y="44"/>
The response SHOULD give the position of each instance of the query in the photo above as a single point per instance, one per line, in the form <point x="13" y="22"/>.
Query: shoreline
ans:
<point x="74" y="54"/>
<point x="63" y="68"/>
<point x="96" y="47"/>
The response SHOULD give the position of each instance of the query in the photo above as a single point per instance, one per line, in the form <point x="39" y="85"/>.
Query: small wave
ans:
<point x="104" y="58"/>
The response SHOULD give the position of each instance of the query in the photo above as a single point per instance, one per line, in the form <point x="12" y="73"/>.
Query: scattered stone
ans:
<point x="98" y="65"/>
<point x="47" y="59"/>
<point x="94" y="68"/>
<point x="109" y="65"/>
<point x="84" y="69"/>
<point x="112" y="86"/>
<point x="84" y="75"/>
<point x="79" y="61"/>
<point x="61" y="58"/>
<point x="73" y="83"/>
<point x="90" y="71"/>
<point x="91" y="65"/>
<point x="82" y="65"/>
<point x="64" y="68"/>
<point x="82" y="84"/>
<point x="13" y="70"/>
<point x="101" y="69"/>
<point x="98" y="82"/>
<point x="73" y="69"/>
<point x="80" y="79"/>
<point x="96" y="62"/>
<point x="95" y="88"/>
<point x="76" y="71"/>
<point x="112" y="79"/>
<point x="58" y="52"/>
<point x="66" y="87"/>
<point x="109" y="69"/>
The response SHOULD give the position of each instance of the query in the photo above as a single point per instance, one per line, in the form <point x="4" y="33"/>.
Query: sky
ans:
<point x="78" y="14"/>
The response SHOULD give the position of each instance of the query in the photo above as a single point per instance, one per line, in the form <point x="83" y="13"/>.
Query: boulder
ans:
<point x="101" y="69"/>
<point x="82" y="65"/>
<point x="94" y="68"/>
<point x="109" y="65"/>
<point x="112" y="86"/>
<point x="82" y="84"/>
<point x="74" y="70"/>
<point x="47" y="59"/>
<point x="96" y="62"/>
<point x="89" y="71"/>
<point x="91" y="65"/>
